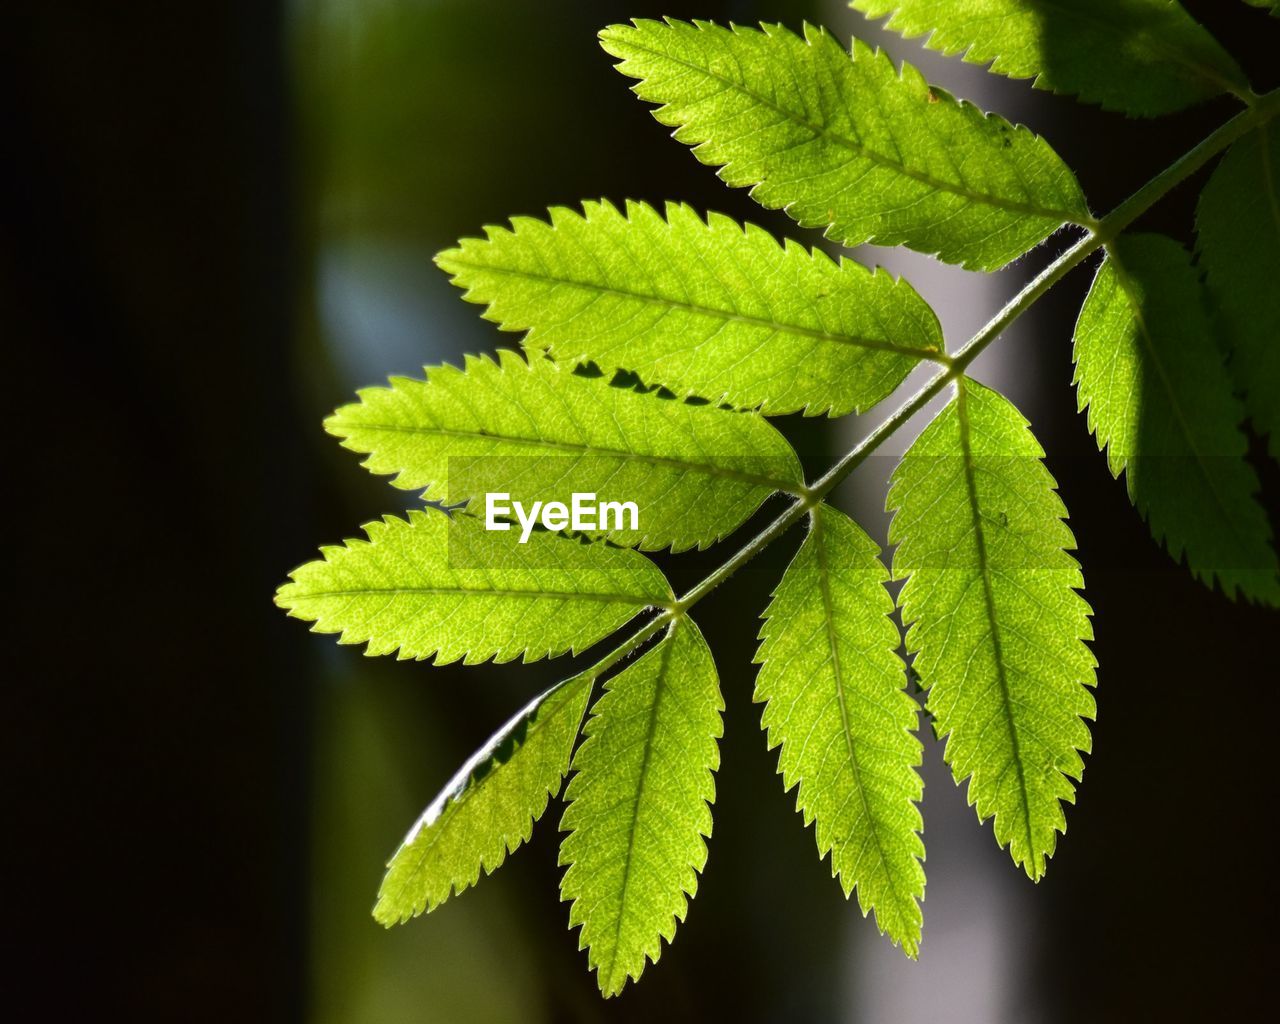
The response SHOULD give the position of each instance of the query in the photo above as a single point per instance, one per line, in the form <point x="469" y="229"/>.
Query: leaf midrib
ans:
<point x="709" y="469"/>
<point x="821" y="131"/>
<point x="988" y="595"/>
<point x="828" y="614"/>
<point x="857" y="341"/>
<point x="651" y="729"/>
<point x="550" y="595"/>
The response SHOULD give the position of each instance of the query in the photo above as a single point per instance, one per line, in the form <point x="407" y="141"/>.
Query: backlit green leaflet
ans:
<point x="993" y="615"/>
<point x="850" y="144"/>
<point x="538" y="431"/>
<point x="709" y="308"/>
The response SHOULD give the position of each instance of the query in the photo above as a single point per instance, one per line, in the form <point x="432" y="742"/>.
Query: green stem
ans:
<point x="632" y="642"/>
<point x="1263" y="109"/>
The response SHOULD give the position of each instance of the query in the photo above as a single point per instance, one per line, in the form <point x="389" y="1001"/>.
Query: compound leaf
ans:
<point x="539" y="432"/>
<point x="833" y="683"/>
<point x="639" y="805"/>
<point x="488" y="808"/>
<point x="708" y="308"/>
<point x="445" y="586"/>
<point x="847" y="144"/>
<point x="1238" y="235"/>
<point x="1142" y="57"/>
<point x="993" y="616"/>
<point x="1160" y="401"/>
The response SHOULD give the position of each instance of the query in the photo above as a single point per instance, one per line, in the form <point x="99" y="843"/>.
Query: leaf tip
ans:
<point x="384" y="914"/>
<point x="282" y="598"/>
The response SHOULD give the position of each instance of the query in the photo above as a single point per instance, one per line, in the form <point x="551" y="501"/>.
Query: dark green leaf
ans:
<point x="1160" y="401"/>
<point x="1142" y="57"/>
<point x="1238" y="225"/>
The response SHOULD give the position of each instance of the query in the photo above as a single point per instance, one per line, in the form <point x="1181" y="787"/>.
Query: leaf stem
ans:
<point x="1262" y="110"/>
<point x="632" y="642"/>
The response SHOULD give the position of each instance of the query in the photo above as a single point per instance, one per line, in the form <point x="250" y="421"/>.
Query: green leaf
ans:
<point x="705" y="308"/>
<point x="993" y="616"/>
<point x="1142" y="57"/>
<point x="849" y="145"/>
<point x="833" y="683"/>
<point x="445" y="586"/>
<point x="1238" y="226"/>
<point x="1160" y="401"/>
<point x="488" y="808"/>
<point x="1270" y="5"/>
<point x="639" y="805"/>
<point x="539" y="432"/>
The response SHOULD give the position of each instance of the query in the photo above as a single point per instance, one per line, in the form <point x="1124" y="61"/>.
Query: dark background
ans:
<point x="218" y="221"/>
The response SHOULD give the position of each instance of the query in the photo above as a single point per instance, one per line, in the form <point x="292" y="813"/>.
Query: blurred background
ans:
<point x="219" y="221"/>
